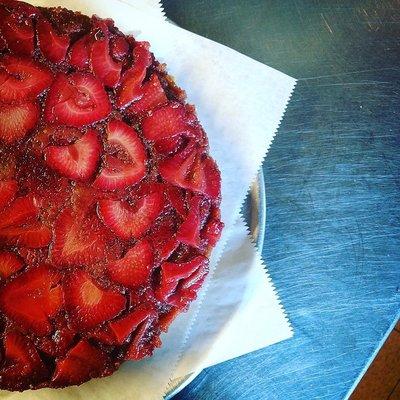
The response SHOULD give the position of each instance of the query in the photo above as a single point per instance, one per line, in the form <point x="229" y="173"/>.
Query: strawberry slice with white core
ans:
<point x="77" y="161"/>
<point x="103" y="66"/>
<point x="9" y="264"/>
<point x="32" y="298"/>
<point x="53" y="46"/>
<point x="88" y="303"/>
<point x="32" y="236"/>
<point x="22" y="79"/>
<point x="135" y="268"/>
<point x="81" y="363"/>
<point x="21" y="210"/>
<point x="131" y="222"/>
<point x="77" y="240"/>
<point x="123" y="327"/>
<point x="76" y="100"/>
<point x="8" y="190"/>
<point x="18" y="33"/>
<point x="22" y="361"/>
<point x="153" y="95"/>
<point x="165" y="122"/>
<point x="117" y="173"/>
<point x="131" y="81"/>
<point x="17" y="120"/>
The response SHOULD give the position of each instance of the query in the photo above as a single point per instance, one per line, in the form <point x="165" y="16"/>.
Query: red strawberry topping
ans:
<point x="109" y="200"/>
<point x="88" y="304"/>
<point x="79" y="56"/>
<point x="9" y="264"/>
<point x="53" y="46"/>
<point x="77" y="161"/>
<point x="152" y="95"/>
<point x="103" y="66"/>
<point x="131" y="222"/>
<point x="21" y="210"/>
<point x="77" y="99"/>
<point x="135" y="267"/>
<point x="78" y="240"/>
<point x="123" y="327"/>
<point x="132" y="79"/>
<point x="82" y="362"/>
<point x="130" y="167"/>
<point x="33" y="236"/>
<point x="189" y="231"/>
<point x="165" y="122"/>
<point x="32" y="298"/>
<point x="22" y="79"/>
<point x="22" y="361"/>
<point x="18" y="34"/>
<point x="8" y="190"/>
<point x="17" y="120"/>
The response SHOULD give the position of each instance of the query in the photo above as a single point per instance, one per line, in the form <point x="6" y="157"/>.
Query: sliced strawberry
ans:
<point x="77" y="161"/>
<point x="88" y="304"/>
<point x="32" y="298"/>
<point x="17" y="120"/>
<point x="103" y="334"/>
<point x="131" y="81"/>
<point x="213" y="179"/>
<point x="32" y="236"/>
<point x="166" y="319"/>
<point x="123" y="327"/>
<point x="168" y="145"/>
<point x="212" y="231"/>
<point x="78" y="99"/>
<point x="135" y="268"/>
<point x="81" y="363"/>
<point x="8" y="190"/>
<point x="18" y="33"/>
<point x="189" y="231"/>
<point x="163" y="237"/>
<point x="131" y="222"/>
<point x="117" y="173"/>
<point x="22" y="362"/>
<point x="21" y="210"/>
<point x="136" y="349"/>
<point x="176" y="197"/>
<point x="77" y="240"/>
<point x="58" y="343"/>
<point x="52" y="45"/>
<point x="192" y="170"/>
<point x="119" y="47"/>
<point x="9" y="264"/>
<point x="79" y="55"/>
<point x="153" y="95"/>
<point x="103" y="66"/>
<point x="21" y="7"/>
<point x="172" y="273"/>
<point x="165" y="122"/>
<point x="22" y="79"/>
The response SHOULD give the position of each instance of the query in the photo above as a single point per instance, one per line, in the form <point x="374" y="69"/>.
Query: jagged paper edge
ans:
<point x="203" y="291"/>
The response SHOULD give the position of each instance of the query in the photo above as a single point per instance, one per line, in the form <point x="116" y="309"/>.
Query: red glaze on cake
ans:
<point x="109" y="200"/>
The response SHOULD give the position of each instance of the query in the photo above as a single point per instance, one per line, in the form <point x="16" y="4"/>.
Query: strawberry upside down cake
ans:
<point x="109" y="201"/>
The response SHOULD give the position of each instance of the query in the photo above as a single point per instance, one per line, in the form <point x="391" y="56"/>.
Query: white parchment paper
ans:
<point x="240" y="103"/>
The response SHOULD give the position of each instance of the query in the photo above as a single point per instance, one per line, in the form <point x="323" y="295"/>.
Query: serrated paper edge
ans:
<point x="204" y="289"/>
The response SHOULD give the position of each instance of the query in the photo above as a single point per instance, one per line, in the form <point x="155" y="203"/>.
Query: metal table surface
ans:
<point x="332" y="177"/>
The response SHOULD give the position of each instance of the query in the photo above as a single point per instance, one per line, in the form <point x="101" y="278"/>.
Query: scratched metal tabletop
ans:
<point x="332" y="180"/>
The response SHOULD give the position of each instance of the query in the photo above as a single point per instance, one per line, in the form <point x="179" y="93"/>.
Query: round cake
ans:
<point x="109" y="200"/>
